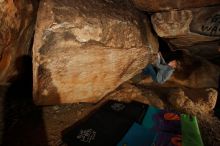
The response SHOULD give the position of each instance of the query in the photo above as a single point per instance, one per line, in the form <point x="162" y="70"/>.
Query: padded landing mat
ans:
<point x="167" y="139"/>
<point x="162" y="120"/>
<point x="106" y="126"/>
<point x="190" y="131"/>
<point x="136" y="136"/>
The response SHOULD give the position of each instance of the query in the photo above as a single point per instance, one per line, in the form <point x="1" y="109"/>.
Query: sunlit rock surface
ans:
<point x="167" y="5"/>
<point x="82" y="51"/>
<point x="16" y="29"/>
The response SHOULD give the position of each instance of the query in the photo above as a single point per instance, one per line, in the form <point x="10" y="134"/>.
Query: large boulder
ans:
<point x="193" y="101"/>
<point x="188" y="27"/>
<point x="129" y="92"/>
<point x="167" y="5"/>
<point x="195" y="30"/>
<point x="17" y="19"/>
<point x="84" y="50"/>
<point x="196" y="72"/>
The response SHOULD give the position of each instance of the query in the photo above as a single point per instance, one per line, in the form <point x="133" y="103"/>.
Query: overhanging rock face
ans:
<point x="197" y="30"/>
<point x="188" y="27"/>
<point x="85" y="49"/>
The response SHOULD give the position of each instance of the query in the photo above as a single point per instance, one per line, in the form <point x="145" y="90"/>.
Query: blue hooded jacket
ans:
<point x="164" y="71"/>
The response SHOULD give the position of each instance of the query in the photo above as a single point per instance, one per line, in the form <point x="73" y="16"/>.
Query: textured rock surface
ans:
<point x="192" y="72"/>
<point x="203" y="101"/>
<point x="166" y="5"/>
<point x="196" y="30"/>
<point x="128" y="92"/>
<point x="207" y="50"/>
<point x="16" y="30"/>
<point x="188" y="27"/>
<point x="154" y="98"/>
<point x="196" y="72"/>
<point x="82" y="51"/>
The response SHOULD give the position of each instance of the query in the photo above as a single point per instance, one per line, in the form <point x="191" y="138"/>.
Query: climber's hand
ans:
<point x="173" y="64"/>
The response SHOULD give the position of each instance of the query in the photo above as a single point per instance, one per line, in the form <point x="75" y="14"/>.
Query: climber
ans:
<point x="164" y="65"/>
<point x="160" y="71"/>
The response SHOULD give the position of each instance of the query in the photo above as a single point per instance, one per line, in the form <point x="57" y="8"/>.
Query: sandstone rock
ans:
<point x="207" y="50"/>
<point x="196" y="72"/>
<point x="127" y="93"/>
<point x="193" y="30"/>
<point x="153" y="98"/>
<point x="188" y="27"/>
<point x="167" y="5"/>
<point x="193" y="101"/>
<point x="212" y="98"/>
<point x="84" y="50"/>
<point x="178" y="99"/>
<point x="17" y="19"/>
<point x="192" y="71"/>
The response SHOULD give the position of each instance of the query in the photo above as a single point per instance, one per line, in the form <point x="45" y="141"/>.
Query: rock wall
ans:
<point x="207" y="50"/>
<point x="204" y="100"/>
<point x="167" y="5"/>
<point x="196" y="30"/>
<point x="84" y="50"/>
<point x="188" y="27"/>
<point x="192" y="72"/>
<point x="17" y="19"/>
<point x="196" y="72"/>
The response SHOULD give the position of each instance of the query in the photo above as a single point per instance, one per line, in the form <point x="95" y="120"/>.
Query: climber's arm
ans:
<point x="164" y="73"/>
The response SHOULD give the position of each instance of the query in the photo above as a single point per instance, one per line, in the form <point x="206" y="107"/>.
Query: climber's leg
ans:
<point x="149" y="70"/>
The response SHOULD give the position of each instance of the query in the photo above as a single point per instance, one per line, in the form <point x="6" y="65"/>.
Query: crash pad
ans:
<point x="190" y="131"/>
<point x="136" y="136"/>
<point x="105" y="126"/>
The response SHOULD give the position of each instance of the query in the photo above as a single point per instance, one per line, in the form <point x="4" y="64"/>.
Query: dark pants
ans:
<point x="150" y="70"/>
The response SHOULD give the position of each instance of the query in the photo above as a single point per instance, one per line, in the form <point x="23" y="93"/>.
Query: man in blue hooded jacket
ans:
<point x="161" y="71"/>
